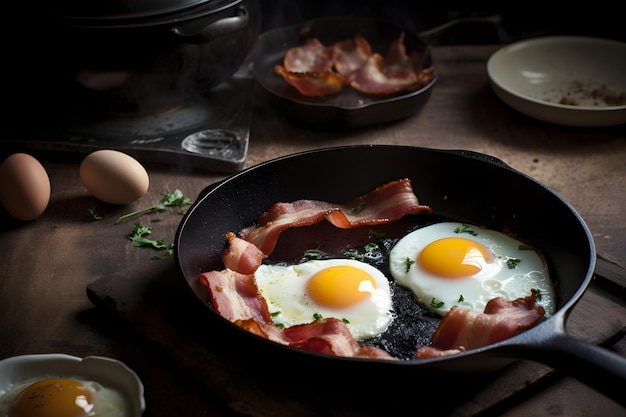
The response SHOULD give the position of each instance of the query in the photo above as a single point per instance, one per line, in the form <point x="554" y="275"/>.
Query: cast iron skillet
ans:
<point x="348" y="108"/>
<point x="462" y="185"/>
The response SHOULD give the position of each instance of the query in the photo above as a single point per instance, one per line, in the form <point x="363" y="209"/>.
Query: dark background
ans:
<point x="518" y="19"/>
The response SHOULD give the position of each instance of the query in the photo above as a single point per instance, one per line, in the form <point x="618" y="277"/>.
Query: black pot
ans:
<point x="146" y="56"/>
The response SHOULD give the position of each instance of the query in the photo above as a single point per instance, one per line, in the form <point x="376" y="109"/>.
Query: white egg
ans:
<point x="62" y="396"/>
<point x="449" y="263"/>
<point x="346" y="289"/>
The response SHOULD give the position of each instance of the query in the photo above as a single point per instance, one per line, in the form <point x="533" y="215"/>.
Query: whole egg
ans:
<point x="24" y="187"/>
<point x="114" y="177"/>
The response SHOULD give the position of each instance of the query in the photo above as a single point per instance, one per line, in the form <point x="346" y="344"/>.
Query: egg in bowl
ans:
<point x="60" y="385"/>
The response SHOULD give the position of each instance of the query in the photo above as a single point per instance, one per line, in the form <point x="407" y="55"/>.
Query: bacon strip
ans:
<point x="312" y="56"/>
<point x="464" y="329"/>
<point x="235" y="296"/>
<point x="312" y="84"/>
<point x="330" y="336"/>
<point x="317" y="70"/>
<point x="351" y="54"/>
<point x="384" y="204"/>
<point x="241" y="256"/>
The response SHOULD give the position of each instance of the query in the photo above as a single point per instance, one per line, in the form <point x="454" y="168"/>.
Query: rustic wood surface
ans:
<point x="61" y="276"/>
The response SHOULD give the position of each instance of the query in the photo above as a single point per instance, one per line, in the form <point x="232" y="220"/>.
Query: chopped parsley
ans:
<point x="138" y="237"/>
<point x="353" y="254"/>
<point x="461" y="298"/>
<point x="175" y="199"/>
<point x="538" y="292"/>
<point x="360" y="255"/>
<point x="465" y="229"/>
<point x="370" y="247"/>
<point x="275" y="313"/>
<point x="93" y="216"/>
<point x="436" y="303"/>
<point x="408" y="262"/>
<point x="317" y="316"/>
<point x="346" y="321"/>
<point x="311" y="254"/>
<point x="428" y="312"/>
<point x="513" y="262"/>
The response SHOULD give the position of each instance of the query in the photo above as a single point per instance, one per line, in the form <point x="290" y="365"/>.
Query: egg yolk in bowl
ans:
<point x="53" y="397"/>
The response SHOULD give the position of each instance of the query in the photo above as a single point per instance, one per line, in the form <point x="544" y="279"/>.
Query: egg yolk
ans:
<point x="53" y="397"/>
<point x="340" y="286"/>
<point x="453" y="257"/>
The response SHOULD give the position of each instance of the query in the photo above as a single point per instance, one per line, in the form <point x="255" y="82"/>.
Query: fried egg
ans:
<point x="447" y="264"/>
<point x="346" y="289"/>
<point x="55" y="396"/>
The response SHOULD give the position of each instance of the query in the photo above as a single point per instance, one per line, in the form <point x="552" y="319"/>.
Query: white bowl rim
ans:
<point x="109" y="371"/>
<point x="525" y="43"/>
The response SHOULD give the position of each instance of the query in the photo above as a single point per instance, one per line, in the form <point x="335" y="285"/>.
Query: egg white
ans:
<point x="108" y="402"/>
<point x="284" y="289"/>
<point x="496" y="279"/>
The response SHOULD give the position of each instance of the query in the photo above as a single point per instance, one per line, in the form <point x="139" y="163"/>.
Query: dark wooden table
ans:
<point x="78" y="287"/>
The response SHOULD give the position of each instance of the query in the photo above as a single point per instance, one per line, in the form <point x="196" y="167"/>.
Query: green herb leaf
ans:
<point x="408" y="263"/>
<point x="312" y="254"/>
<point x="465" y="229"/>
<point x="175" y="199"/>
<point x="168" y="252"/>
<point x="370" y="247"/>
<point x="436" y="303"/>
<point x="138" y="237"/>
<point x="461" y="298"/>
<point x="513" y="262"/>
<point x="93" y="216"/>
<point x="354" y="254"/>
<point x="317" y="316"/>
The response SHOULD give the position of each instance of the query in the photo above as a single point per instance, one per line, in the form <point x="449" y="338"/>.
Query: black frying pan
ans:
<point x="461" y="185"/>
<point x="348" y="108"/>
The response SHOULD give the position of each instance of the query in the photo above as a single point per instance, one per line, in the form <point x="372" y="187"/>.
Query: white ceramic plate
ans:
<point x="565" y="80"/>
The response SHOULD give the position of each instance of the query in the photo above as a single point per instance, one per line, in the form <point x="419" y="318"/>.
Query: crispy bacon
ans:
<point x="372" y="79"/>
<point x="464" y="329"/>
<point x="384" y="204"/>
<point x="393" y="73"/>
<point x="235" y="296"/>
<point x="312" y="56"/>
<point x="330" y="336"/>
<point x="313" y="83"/>
<point x="241" y="256"/>
<point x="351" y="54"/>
<point x="317" y="70"/>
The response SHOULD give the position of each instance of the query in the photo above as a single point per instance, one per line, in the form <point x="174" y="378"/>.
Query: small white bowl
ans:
<point x="110" y="373"/>
<point x="565" y="80"/>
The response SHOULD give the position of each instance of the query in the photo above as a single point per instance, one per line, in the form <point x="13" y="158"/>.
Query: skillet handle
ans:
<point x="595" y="366"/>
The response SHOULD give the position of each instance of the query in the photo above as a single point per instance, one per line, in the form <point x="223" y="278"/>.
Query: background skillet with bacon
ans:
<point x="334" y="97"/>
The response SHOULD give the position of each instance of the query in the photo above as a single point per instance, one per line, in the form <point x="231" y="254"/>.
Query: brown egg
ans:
<point x="24" y="187"/>
<point x="114" y="177"/>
